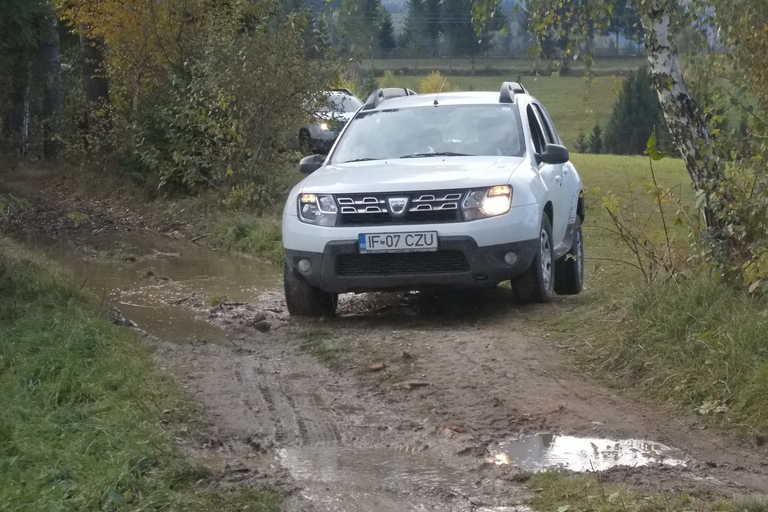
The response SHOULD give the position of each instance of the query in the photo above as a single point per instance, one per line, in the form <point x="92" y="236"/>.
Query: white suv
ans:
<point x="423" y="191"/>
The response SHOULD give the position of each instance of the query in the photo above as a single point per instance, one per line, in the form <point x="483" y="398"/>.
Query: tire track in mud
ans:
<point x="345" y="448"/>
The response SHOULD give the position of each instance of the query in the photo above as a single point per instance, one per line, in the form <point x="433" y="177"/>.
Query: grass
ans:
<point x="496" y="66"/>
<point x="251" y="234"/>
<point x="86" y="423"/>
<point x="574" y="104"/>
<point x="557" y="492"/>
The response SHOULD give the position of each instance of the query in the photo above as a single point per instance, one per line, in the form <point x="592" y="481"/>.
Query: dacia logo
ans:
<point x="397" y="205"/>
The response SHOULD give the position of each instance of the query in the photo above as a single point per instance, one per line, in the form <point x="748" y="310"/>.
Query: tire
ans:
<point x="569" y="270"/>
<point x="306" y="300"/>
<point x="305" y="143"/>
<point x="537" y="283"/>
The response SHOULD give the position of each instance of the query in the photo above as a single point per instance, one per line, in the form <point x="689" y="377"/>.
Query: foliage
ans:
<point x="386" y="34"/>
<point x="653" y="258"/>
<point x="460" y="34"/>
<point x="636" y="115"/>
<point x="388" y="79"/>
<point x="359" y="24"/>
<point x="434" y="82"/>
<point x="86" y="424"/>
<point x="595" y="142"/>
<point x="580" y="145"/>
<point x="258" y="235"/>
<point x="191" y="108"/>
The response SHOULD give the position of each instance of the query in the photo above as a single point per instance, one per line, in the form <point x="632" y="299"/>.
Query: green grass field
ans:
<point x="499" y="66"/>
<point x="573" y="103"/>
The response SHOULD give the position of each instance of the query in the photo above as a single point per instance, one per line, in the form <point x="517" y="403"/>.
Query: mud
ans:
<point x="468" y="392"/>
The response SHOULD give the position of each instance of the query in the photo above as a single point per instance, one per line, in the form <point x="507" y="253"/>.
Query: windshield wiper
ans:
<point x="358" y="160"/>
<point x="440" y="153"/>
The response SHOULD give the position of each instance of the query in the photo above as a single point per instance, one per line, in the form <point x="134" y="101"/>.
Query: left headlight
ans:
<point x="487" y="202"/>
<point x="318" y="209"/>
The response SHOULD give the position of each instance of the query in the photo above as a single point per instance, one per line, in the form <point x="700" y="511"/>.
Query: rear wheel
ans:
<point x="537" y="283"/>
<point x="569" y="270"/>
<point x="304" y="299"/>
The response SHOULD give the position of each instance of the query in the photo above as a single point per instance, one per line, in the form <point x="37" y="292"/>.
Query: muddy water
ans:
<point x="537" y="453"/>
<point x="149" y="278"/>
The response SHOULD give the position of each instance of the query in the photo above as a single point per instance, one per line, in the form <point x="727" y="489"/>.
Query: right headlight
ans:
<point x="318" y="209"/>
<point x="487" y="202"/>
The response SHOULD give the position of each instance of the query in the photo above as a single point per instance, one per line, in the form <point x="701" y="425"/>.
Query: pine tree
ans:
<point x="596" y="139"/>
<point x="415" y="30"/>
<point x="460" y="33"/>
<point x="386" y="34"/>
<point x="635" y="116"/>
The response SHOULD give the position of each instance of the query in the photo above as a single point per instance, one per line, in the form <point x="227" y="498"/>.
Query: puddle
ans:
<point x="372" y="468"/>
<point x="545" y="451"/>
<point x="148" y="277"/>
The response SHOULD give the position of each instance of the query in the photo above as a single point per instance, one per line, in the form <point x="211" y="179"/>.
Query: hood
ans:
<point x="403" y="175"/>
<point x="328" y="115"/>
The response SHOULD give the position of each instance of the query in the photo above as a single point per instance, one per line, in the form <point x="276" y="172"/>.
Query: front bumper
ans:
<point x="459" y="263"/>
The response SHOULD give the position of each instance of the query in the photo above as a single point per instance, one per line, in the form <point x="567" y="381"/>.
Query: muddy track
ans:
<point x="462" y="375"/>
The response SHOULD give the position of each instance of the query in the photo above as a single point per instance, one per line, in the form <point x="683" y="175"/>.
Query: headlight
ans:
<point x="325" y="126"/>
<point x="317" y="209"/>
<point x="487" y="202"/>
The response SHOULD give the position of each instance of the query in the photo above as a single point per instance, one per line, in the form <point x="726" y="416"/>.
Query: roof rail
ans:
<point x="345" y="91"/>
<point x="380" y="95"/>
<point x="508" y="91"/>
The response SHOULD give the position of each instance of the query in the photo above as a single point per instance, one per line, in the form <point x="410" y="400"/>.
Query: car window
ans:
<point x="549" y="127"/>
<point x="343" y="103"/>
<point x="537" y="135"/>
<point x="419" y="132"/>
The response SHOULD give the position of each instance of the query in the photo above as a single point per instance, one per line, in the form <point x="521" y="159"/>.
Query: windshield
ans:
<point x="420" y="132"/>
<point x="343" y="103"/>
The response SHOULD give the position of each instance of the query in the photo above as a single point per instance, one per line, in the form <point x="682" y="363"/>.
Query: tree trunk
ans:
<point x="52" y="92"/>
<point x="19" y="100"/>
<point x="94" y="70"/>
<point x="684" y="118"/>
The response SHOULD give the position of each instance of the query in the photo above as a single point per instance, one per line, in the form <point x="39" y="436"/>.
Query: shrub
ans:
<point x="433" y="82"/>
<point x="388" y="79"/>
<point x="581" y="145"/>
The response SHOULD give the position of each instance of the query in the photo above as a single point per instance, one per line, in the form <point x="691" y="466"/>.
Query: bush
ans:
<point x="227" y="119"/>
<point x="433" y="82"/>
<point x="636" y="115"/>
<point x="388" y="79"/>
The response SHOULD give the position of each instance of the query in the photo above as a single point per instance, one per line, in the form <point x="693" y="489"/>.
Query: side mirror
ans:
<point x="554" y="154"/>
<point x="311" y="163"/>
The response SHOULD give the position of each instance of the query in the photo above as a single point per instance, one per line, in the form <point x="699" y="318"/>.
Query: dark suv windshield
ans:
<point x="343" y="103"/>
<point x="441" y="130"/>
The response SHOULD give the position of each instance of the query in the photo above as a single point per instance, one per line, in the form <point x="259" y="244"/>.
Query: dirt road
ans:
<point x="403" y="402"/>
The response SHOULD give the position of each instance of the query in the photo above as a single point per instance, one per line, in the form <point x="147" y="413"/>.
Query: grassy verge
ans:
<point x="85" y="422"/>
<point x="251" y="234"/>
<point x="557" y="492"/>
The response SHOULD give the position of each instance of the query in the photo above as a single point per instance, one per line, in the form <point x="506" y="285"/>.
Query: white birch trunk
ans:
<point x="684" y="118"/>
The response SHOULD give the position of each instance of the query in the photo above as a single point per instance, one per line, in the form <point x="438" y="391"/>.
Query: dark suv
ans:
<point x="338" y="108"/>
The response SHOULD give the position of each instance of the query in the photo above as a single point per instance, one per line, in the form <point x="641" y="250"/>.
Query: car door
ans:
<point x="552" y="175"/>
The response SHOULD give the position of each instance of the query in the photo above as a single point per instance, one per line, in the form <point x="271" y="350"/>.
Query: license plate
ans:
<point x="397" y="242"/>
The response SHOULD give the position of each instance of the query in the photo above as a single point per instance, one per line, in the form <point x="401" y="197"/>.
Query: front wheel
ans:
<point x="537" y="283"/>
<point x="304" y="299"/>
<point x="569" y="270"/>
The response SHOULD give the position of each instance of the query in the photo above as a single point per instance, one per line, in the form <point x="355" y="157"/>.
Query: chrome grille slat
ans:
<point x="424" y="207"/>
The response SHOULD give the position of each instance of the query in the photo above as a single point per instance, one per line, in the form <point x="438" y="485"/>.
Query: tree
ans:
<point x="462" y="39"/>
<point x="358" y="24"/>
<point x="29" y="47"/>
<point x="635" y="117"/>
<point x="626" y="22"/>
<point x="415" y="28"/>
<point x="386" y="34"/>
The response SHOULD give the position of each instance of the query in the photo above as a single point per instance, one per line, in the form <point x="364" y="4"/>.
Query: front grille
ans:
<point x="421" y="208"/>
<point x="401" y="264"/>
